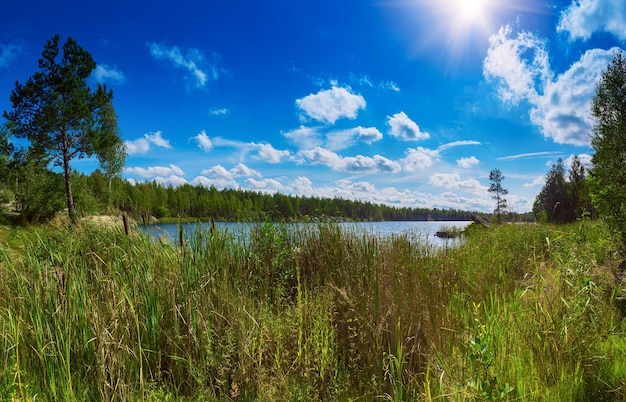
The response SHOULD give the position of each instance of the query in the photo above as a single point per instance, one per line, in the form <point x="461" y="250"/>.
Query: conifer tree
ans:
<point x="59" y="114"/>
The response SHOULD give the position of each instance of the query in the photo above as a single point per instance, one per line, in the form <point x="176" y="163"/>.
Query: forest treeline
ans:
<point x="94" y="194"/>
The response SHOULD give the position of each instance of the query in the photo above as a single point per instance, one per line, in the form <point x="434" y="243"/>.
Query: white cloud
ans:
<point x="267" y="185"/>
<point x="390" y="85"/>
<point x="454" y="181"/>
<point x="454" y="144"/>
<point x="584" y="17"/>
<point x="507" y="62"/>
<point x="419" y="158"/>
<point x="559" y="106"/>
<point x="366" y="81"/>
<point x="143" y="145"/>
<point x="269" y="154"/>
<point x="218" y="183"/>
<point x="321" y="156"/>
<point x="585" y="161"/>
<point x="377" y="163"/>
<point x="193" y="60"/>
<point x="217" y="172"/>
<point x="563" y="112"/>
<point x="155" y="171"/>
<point x="240" y="170"/>
<point x="219" y="112"/>
<point x="401" y="126"/>
<point x="304" y="137"/>
<point x="173" y="181"/>
<point x="359" y="163"/>
<point x="539" y="181"/>
<point x="467" y="163"/>
<point x="203" y="140"/>
<point x="302" y="185"/>
<point x="108" y="74"/>
<point x="157" y="139"/>
<point x="530" y="155"/>
<point x="8" y="53"/>
<point x="330" y="105"/>
<point x="338" y="140"/>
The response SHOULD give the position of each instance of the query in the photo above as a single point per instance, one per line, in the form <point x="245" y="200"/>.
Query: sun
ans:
<point x="466" y="12"/>
<point x="470" y="10"/>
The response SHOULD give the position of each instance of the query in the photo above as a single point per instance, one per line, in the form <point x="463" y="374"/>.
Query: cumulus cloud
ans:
<point x="584" y="17"/>
<point x="265" y="185"/>
<point x="401" y="126"/>
<point x="155" y="171"/>
<point x="302" y="185"/>
<point x="304" y="137"/>
<point x="559" y="106"/>
<point x="338" y="140"/>
<point x="200" y="70"/>
<point x="143" y="145"/>
<point x="539" y="181"/>
<point x="330" y="105"/>
<point x="454" y="181"/>
<point x="467" y="163"/>
<point x="377" y="163"/>
<point x="419" y="159"/>
<point x="218" y="183"/>
<point x="322" y="156"/>
<point x="8" y="53"/>
<point x="108" y="74"/>
<point x="269" y="154"/>
<point x="203" y="140"/>
<point x="172" y="180"/>
<point x="563" y="111"/>
<point x="240" y="170"/>
<point x="519" y="64"/>
<point x="359" y="163"/>
<point x="585" y="161"/>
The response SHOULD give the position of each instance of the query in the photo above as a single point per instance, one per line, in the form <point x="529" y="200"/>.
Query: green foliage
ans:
<point x="559" y="200"/>
<point x="57" y="112"/>
<point x="6" y="148"/>
<point x="39" y="194"/>
<point x="313" y="312"/>
<point x="608" y="177"/>
<point x="496" y="178"/>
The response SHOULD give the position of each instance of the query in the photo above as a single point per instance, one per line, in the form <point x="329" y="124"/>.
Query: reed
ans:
<point x="527" y="312"/>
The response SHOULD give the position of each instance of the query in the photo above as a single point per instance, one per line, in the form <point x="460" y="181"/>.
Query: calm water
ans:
<point x="425" y="230"/>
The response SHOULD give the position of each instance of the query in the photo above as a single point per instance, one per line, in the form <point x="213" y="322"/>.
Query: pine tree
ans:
<point x="496" y="178"/>
<point x="59" y="114"/>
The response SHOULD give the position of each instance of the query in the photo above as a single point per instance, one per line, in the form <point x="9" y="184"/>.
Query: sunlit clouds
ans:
<point x="327" y="106"/>
<point x="559" y="104"/>
<point x="402" y="127"/>
<point x="145" y="143"/>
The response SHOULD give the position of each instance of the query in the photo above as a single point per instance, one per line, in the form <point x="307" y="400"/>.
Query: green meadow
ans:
<point x="529" y="312"/>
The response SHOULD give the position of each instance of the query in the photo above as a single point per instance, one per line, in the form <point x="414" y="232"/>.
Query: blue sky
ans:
<point x="402" y="102"/>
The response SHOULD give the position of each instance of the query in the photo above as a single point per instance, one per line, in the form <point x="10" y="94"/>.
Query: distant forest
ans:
<point x="95" y="193"/>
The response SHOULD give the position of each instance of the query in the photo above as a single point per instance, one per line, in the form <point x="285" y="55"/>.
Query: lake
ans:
<point x="424" y="230"/>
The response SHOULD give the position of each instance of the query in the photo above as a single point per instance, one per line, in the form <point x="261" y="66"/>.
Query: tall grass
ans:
<point x="518" y="312"/>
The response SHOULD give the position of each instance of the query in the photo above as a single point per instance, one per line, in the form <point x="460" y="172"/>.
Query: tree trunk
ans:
<point x="67" y="176"/>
